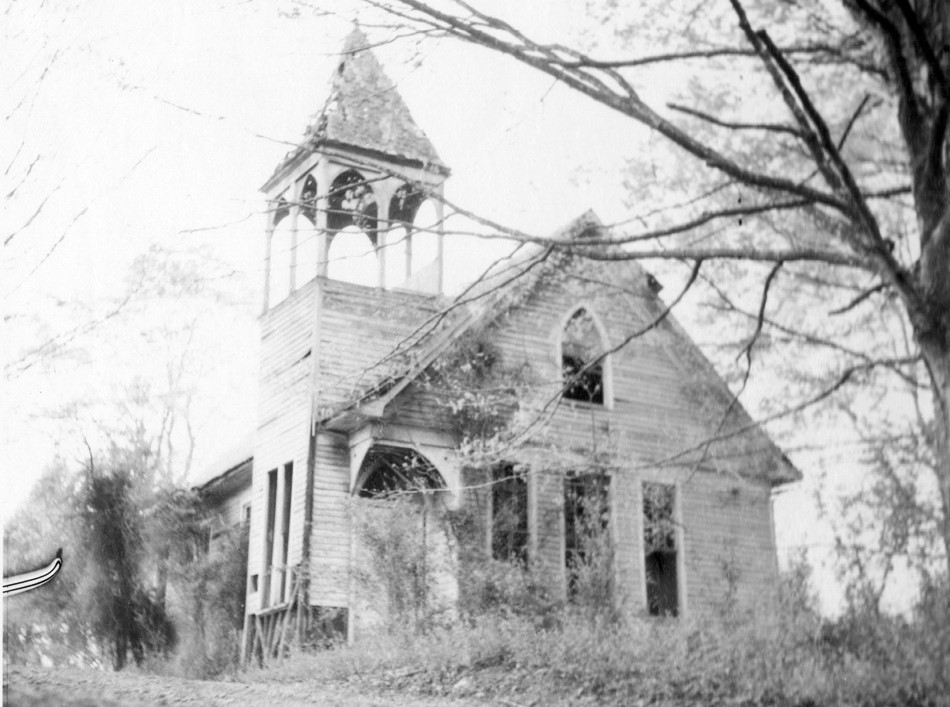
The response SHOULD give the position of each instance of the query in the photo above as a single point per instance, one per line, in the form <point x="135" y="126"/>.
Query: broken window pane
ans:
<point x="509" y="522"/>
<point x="660" y="550"/>
<point x="389" y="470"/>
<point x="581" y="347"/>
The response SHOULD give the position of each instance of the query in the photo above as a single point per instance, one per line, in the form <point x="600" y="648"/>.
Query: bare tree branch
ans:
<point x="768" y="127"/>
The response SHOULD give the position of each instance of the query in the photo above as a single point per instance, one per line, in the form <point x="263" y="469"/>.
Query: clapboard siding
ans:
<point x="654" y="414"/>
<point x="331" y="531"/>
<point x="283" y="429"/>
<point x="665" y="399"/>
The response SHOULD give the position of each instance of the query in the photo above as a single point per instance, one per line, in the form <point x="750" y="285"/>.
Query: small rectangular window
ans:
<point x="586" y="522"/>
<point x="660" y="549"/>
<point x="509" y="517"/>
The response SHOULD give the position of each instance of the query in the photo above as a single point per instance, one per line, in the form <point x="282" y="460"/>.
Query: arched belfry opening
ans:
<point x="308" y="199"/>
<point x="281" y="253"/>
<point x="414" y="241"/>
<point x="405" y="204"/>
<point x="353" y="230"/>
<point x="352" y="202"/>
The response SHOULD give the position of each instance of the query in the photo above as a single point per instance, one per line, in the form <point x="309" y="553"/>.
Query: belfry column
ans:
<point x="408" y="237"/>
<point x="383" y="225"/>
<point x="294" y="215"/>
<point x="440" y="241"/>
<point x="268" y="239"/>
<point x="323" y="203"/>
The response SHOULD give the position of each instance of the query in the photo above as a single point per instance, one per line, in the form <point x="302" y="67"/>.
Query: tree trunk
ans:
<point x="938" y="362"/>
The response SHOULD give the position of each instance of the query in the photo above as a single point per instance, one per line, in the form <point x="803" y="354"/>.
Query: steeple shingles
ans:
<point x="364" y="109"/>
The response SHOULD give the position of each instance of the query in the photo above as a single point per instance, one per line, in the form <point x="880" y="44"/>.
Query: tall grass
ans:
<point x="783" y="654"/>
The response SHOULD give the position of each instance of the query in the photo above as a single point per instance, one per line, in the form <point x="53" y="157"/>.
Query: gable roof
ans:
<point x="364" y="112"/>
<point x="438" y="323"/>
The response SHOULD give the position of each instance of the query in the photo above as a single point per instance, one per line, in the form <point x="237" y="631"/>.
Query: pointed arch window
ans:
<point x="583" y="361"/>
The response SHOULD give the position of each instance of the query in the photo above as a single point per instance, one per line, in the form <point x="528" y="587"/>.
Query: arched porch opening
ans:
<point x="403" y="558"/>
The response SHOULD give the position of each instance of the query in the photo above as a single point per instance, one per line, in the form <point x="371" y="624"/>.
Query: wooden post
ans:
<point x="268" y="238"/>
<point x="245" y="638"/>
<point x="440" y="242"/>
<point x="294" y="216"/>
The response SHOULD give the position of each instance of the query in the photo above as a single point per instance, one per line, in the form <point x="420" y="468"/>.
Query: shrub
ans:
<point x="778" y="654"/>
<point x="407" y="567"/>
<point x="212" y="588"/>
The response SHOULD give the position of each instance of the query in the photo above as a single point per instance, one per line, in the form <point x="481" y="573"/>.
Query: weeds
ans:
<point x="783" y="654"/>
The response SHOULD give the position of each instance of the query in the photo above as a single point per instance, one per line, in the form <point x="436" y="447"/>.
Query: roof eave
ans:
<point x="304" y="150"/>
<point x="229" y="477"/>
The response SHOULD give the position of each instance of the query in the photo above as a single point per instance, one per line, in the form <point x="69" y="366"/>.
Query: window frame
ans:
<point x="602" y="480"/>
<point x="606" y="363"/>
<point x="679" y="546"/>
<point x="507" y="476"/>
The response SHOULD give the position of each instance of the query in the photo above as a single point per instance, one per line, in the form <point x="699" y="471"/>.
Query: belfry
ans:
<point x="351" y="202"/>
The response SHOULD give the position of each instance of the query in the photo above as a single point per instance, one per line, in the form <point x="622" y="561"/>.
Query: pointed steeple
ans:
<point x="364" y="110"/>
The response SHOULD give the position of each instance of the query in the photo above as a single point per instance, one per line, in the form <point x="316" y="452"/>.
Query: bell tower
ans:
<point x="359" y="199"/>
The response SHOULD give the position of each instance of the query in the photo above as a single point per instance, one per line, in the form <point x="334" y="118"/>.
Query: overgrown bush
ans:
<point x="124" y="614"/>
<point x="494" y="587"/>
<point x="212" y="589"/>
<point x="407" y="569"/>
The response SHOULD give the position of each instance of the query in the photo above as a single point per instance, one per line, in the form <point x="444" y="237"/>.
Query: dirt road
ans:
<point x="75" y="687"/>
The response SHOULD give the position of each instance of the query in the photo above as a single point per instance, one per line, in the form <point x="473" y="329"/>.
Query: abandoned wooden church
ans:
<point x="553" y="395"/>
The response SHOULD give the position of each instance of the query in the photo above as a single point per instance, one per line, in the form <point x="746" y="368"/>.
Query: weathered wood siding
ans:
<point x="282" y="431"/>
<point x="330" y="544"/>
<point x="663" y="401"/>
<point x="727" y="525"/>
<point x="663" y="398"/>
<point x="359" y="329"/>
<point x="229" y="511"/>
